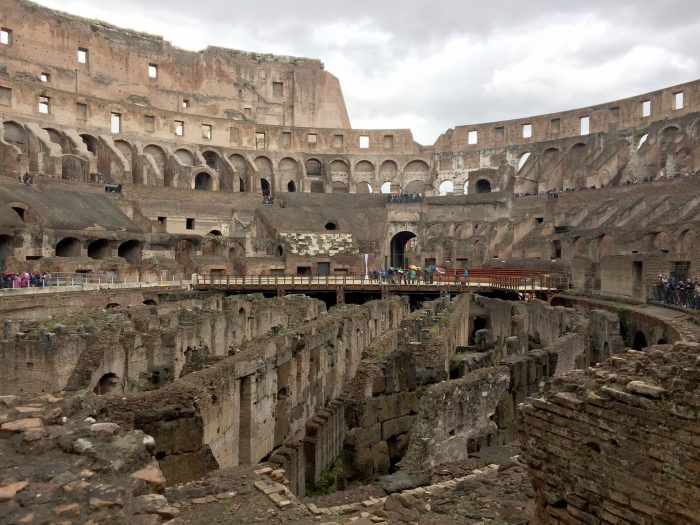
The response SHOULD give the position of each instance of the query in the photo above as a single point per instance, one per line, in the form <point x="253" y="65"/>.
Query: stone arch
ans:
<point x="661" y="242"/>
<point x="577" y="148"/>
<point x="314" y="168"/>
<point x="128" y="151"/>
<point x="68" y="247"/>
<point x="158" y="155"/>
<point x="99" y="249"/>
<point x="241" y="168"/>
<point x="416" y="168"/>
<point x="686" y="245"/>
<point x="670" y="134"/>
<point x="107" y="384"/>
<point x="16" y="134"/>
<point x="478" y="251"/>
<point x="385" y="187"/>
<point x="522" y="159"/>
<point x="185" y="156"/>
<point x="483" y="186"/>
<point x="265" y="187"/>
<point x="364" y="170"/>
<point x="289" y="173"/>
<point x="73" y="168"/>
<point x="363" y="187"/>
<point x="211" y="159"/>
<point x="57" y="137"/>
<point x="603" y="247"/>
<point x="203" y="181"/>
<point x="551" y="153"/>
<point x="388" y="170"/>
<point x="415" y="186"/>
<point x="265" y="172"/>
<point x="397" y="248"/>
<point x="131" y="250"/>
<point x="446" y="188"/>
<point x="92" y="143"/>
<point x="580" y="246"/>
<point x="340" y="169"/>
<point x="640" y="341"/>
<point x="339" y="187"/>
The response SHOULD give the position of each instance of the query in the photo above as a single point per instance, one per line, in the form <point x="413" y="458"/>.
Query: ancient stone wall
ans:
<point x="617" y="443"/>
<point x="143" y="348"/>
<point x="249" y="404"/>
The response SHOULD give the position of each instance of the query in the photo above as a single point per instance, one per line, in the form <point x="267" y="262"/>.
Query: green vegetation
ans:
<point x="327" y="483"/>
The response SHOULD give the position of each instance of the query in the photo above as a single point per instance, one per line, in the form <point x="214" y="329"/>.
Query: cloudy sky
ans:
<point x="431" y="65"/>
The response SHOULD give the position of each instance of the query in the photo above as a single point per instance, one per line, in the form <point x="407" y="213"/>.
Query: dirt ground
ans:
<point x="501" y="496"/>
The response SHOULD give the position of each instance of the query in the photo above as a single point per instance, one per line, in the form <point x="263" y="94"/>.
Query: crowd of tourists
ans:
<point x="25" y="280"/>
<point x="410" y="275"/>
<point x="669" y="290"/>
<point x="405" y="198"/>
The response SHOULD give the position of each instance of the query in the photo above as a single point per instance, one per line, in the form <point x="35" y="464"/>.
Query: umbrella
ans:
<point x="412" y="267"/>
<point x="440" y="270"/>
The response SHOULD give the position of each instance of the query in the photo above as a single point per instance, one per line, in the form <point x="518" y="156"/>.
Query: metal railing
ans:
<point x="684" y="297"/>
<point x="523" y="283"/>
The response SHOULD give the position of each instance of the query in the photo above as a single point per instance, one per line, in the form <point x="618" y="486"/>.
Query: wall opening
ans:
<point x="99" y="249"/>
<point x="397" y="248"/>
<point x="291" y="187"/>
<point x="245" y="419"/>
<point x="640" y="341"/>
<point x="68" y="247"/>
<point x="131" y="251"/>
<point x="107" y="384"/>
<point x="203" y="181"/>
<point x="483" y="186"/>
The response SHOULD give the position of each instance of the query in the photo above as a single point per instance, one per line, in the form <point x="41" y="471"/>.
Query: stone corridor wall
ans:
<point x="247" y="405"/>
<point x="143" y="347"/>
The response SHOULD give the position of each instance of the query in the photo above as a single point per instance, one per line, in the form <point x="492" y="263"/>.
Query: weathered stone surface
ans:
<point x="8" y="491"/>
<point x="21" y="425"/>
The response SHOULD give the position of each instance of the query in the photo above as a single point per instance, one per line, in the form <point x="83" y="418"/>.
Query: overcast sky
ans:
<point x="432" y="65"/>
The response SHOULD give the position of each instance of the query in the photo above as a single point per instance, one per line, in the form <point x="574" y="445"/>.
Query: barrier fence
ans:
<point x="520" y="283"/>
<point x="685" y="297"/>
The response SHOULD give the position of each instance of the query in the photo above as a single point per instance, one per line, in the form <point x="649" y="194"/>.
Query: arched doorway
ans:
<point x="68" y="247"/>
<point x="483" y="186"/>
<point x="640" y="341"/>
<point x="203" y="182"/>
<point x="131" y="251"/>
<point x="446" y="188"/>
<point x="291" y="187"/>
<point x="397" y="248"/>
<point x="99" y="249"/>
<point x="108" y="383"/>
<point x="265" y="187"/>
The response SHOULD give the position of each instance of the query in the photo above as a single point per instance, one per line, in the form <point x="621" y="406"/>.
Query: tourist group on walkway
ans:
<point x="411" y="275"/>
<point x="669" y="290"/>
<point x="25" y="280"/>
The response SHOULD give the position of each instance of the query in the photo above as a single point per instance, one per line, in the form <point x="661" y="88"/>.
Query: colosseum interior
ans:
<point x="207" y="338"/>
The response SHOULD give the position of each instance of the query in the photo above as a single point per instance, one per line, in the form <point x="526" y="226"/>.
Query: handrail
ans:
<point x="531" y="283"/>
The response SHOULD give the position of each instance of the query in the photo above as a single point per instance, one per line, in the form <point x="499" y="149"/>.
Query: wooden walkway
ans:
<point x="524" y="285"/>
